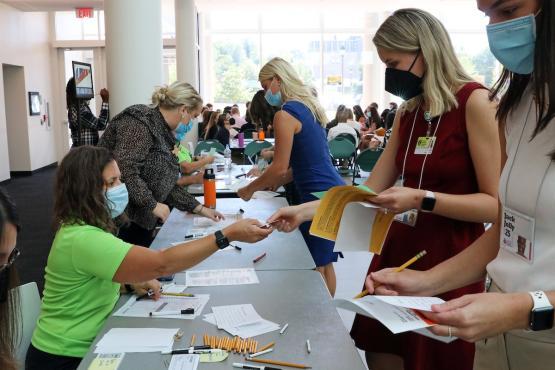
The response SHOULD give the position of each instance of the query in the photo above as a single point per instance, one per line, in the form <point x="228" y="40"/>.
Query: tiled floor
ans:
<point x="351" y="272"/>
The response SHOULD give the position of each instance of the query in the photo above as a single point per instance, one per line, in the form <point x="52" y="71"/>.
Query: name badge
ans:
<point x="408" y="218"/>
<point x="517" y="234"/>
<point x="425" y="145"/>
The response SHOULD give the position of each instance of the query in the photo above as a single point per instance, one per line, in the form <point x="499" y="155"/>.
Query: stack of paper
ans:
<point x="143" y="308"/>
<point x="184" y="362"/>
<point x="221" y="277"/>
<point x="240" y="320"/>
<point x="136" y="340"/>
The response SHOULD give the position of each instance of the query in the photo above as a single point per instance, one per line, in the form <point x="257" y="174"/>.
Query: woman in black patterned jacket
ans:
<point x="141" y="139"/>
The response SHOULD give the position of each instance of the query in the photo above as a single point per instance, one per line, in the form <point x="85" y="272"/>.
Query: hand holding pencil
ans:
<point x="397" y="281"/>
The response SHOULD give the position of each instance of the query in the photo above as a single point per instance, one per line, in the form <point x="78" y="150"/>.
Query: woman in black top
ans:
<point x="141" y="139"/>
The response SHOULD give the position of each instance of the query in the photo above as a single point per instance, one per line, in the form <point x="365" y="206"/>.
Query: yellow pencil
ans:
<point x="193" y="340"/>
<point x="269" y="345"/>
<point x="399" y="269"/>
<point x="179" y="294"/>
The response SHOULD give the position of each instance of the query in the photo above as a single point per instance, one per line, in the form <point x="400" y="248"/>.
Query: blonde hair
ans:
<point x="292" y="87"/>
<point x="417" y="31"/>
<point x="344" y="115"/>
<point x="176" y="95"/>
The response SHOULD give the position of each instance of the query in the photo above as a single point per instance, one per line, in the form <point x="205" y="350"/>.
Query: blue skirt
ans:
<point x="320" y="249"/>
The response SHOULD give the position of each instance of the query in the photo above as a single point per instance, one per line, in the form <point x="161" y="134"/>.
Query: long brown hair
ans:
<point x="79" y="195"/>
<point x="211" y="123"/>
<point x="512" y="86"/>
<point x="10" y="321"/>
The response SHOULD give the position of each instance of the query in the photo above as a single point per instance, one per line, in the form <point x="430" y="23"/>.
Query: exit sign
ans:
<point x="84" y="12"/>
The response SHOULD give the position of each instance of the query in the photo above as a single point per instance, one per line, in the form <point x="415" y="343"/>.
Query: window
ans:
<point x="69" y="27"/>
<point x="169" y="64"/>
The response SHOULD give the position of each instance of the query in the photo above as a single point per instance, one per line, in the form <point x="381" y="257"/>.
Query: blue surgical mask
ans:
<point x="117" y="199"/>
<point x="182" y="130"/>
<point x="273" y="99"/>
<point x="513" y="43"/>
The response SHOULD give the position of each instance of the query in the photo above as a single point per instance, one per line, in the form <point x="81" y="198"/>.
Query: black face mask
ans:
<point x="4" y="284"/>
<point x="403" y="84"/>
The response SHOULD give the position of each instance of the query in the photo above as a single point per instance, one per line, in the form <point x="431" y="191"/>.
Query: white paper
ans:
<point x="184" y="362"/>
<point x="136" y="340"/>
<point x="429" y="334"/>
<point x="253" y="329"/>
<point x="416" y="303"/>
<point x="235" y="315"/>
<point x="210" y="318"/>
<point x="238" y="184"/>
<point x="142" y="308"/>
<point x="355" y="229"/>
<point x="174" y="288"/>
<point x="264" y="194"/>
<point x="202" y="223"/>
<point x="221" y="277"/>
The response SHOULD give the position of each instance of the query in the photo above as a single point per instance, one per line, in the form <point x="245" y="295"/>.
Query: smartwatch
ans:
<point x="541" y="316"/>
<point x="428" y="202"/>
<point x="221" y="241"/>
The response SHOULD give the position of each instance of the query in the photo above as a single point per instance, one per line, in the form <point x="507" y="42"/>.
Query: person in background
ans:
<point x="236" y="115"/>
<point x="142" y="139"/>
<point x="202" y="125"/>
<point x="212" y="126"/>
<point x="9" y="299"/>
<point x="359" y="116"/>
<point x="343" y="127"/>
<point x="388" y="121"/>
<point x="301" y="151"/>
<point x="209" y="106"/>
<point x="448" y="192"/>
<point x="248" y="118"/>
<point x="511" y="324"/>
<point x="263" y="113"/>
<point x="374" y="119"/>
<point x="249" y="126"/>
<point x="223" y="128"/>
<point x="86" y="131"/>
<point x="187" y="162"/>
<point x="88" y="266"/>
<point x="334" y="121"/>
<point x="368" y="108"/>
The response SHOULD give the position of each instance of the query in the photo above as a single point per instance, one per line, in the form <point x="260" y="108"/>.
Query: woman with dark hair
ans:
<point x="212" y="126"/>
<point x="85" y="130"/>
<point x="223" y="127"/>
<point x="202" y="125"/>
<point x="359" y="116"/>
<point x="9" y="300"/>
<point x="374" y="119"/>
<point x="88" y="265"/>
<point x="262" y="113"/>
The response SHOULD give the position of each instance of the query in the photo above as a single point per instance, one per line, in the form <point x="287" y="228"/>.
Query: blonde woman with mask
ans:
<point x="301" y="152"/>
<point x="142" y="140"/>
<point x="445" y="147"/>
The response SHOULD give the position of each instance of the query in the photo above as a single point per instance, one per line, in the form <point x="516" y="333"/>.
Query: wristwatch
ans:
<point x="428" y="202"/>
<point x="221" y="241"/>
<point x="541" y="316"/>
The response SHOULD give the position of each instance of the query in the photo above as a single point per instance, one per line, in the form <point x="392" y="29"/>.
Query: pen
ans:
<point x="242" y="175"/>
<point x="237" y="247"/>
<point x="399" y="269"/>
<point x="284" y="328"/>
<point x="251" y="367"/>
<point x="189" y="351"/>
<point x="179" y="294"/>
<point x="195" y="235"/>
<point x="188" y="311"/>
<point x="259" y="258"/>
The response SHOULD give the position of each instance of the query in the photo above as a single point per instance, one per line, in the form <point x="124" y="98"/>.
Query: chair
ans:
<point x="349" y="137"/>
<point x="342" y="149"/>
<point x="29" y="305"/>
<point x="253" y="149"/>
<point x="207" y="145"/>
<point x="366" y="161"/>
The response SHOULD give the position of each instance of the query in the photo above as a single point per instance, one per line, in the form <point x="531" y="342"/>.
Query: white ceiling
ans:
<point x="52" y="5"/>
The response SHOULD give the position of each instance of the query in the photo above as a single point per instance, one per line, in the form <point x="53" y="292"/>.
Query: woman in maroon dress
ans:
<point x="445" y="148"/>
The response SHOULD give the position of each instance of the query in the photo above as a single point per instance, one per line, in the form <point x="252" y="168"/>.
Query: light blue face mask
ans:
<point x="117" y="199"/>
<point x="513" y="43"/>
<point x="273" y="99"/>
<point x="182" y="130"/>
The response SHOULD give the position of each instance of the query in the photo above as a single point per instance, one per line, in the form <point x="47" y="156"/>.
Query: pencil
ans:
<point x="399" y="269"/>
<point x="269" y="345"/>
<point x="205" y="339"/>
<point x="279" y="363"/>
<point x="259" y="258"/>
<point x="193" y="340"/>
<point x="179" y="294"/>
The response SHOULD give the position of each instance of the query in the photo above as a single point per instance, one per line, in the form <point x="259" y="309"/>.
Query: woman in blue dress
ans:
<point x="301" y="152"/>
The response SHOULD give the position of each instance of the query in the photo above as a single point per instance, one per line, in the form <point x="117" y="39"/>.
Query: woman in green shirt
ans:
<point x="88" y="265"/>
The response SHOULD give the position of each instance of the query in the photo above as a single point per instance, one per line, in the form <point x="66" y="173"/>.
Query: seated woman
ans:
<point x="212" y="126"/>
<point x="9" y="227"/>
<point x="343" y="126"/>
<point x="222" y="131"/>
<point x="88" y="265"/>
<point x="187" y="163"/>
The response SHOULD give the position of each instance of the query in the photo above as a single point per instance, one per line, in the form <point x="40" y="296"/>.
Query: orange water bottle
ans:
<point x="261" y="135"/>
<point x="209" y="188"/>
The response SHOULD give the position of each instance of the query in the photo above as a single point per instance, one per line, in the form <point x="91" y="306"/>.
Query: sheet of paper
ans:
<point x="142" y="308"/>
<point x="214" y="357"/>
<point x="174" y="288"/>
<point x="396" y="319"/>
<point x="210" y="318"/>
<point x="202" y="223"/>
<point x="253" y="329"/>
<point x="425" y="332"/>
<point x="221" y="277"/>
<point x="184" y="362"/>
<point x="241" y="183"/>
<point x="416" y="303"/>
<point x="235" y="315"/>
<point x="363" y="227"/>
<point x="264" y="194"/>
<point x="325" y="223"/>
<point x="106" y="361"/>
<point x="136" y="340"/>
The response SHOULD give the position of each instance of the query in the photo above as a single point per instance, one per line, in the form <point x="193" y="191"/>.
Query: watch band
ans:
<point x="540" y="300"/>
<point x="428" y="202"/>
<point x="221" y="241"/>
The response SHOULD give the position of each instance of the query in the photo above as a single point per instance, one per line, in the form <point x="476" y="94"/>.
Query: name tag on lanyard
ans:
<point x="425" y="145"/>
<point x="517" y="234"/>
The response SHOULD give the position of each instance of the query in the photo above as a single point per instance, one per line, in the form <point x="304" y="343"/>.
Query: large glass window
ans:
<point x="69" y="27"/>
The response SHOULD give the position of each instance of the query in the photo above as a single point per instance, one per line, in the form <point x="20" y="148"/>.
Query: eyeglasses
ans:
<point x="11" y="259"/>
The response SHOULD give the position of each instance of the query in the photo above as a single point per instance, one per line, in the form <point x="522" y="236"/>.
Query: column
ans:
<point x="133" y="51"/>
<point x="372" y="69"/>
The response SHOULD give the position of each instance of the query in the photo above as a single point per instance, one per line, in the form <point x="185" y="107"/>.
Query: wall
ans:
<point x="25" y="42"/>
